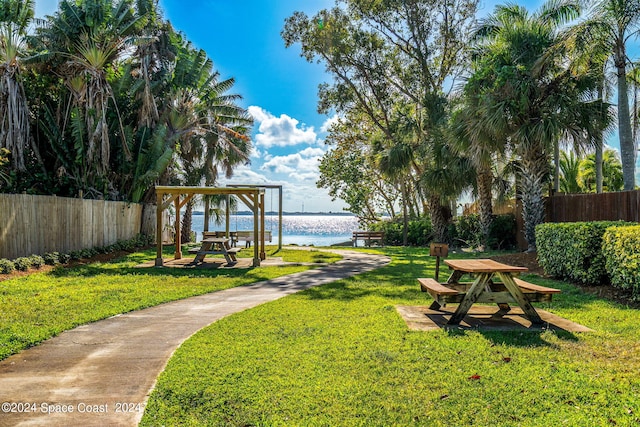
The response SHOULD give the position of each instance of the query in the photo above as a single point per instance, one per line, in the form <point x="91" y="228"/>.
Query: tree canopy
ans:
<point x="104" y="99"/>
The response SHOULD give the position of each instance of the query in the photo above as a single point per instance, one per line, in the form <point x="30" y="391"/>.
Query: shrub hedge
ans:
<point x="465" y="229"/>
<point x="621" y="250"/>
<point x="6" y="266"/>
<point x="37" y="261"/>
<point x="419" y="231"/>
<point x="573" y="251"/>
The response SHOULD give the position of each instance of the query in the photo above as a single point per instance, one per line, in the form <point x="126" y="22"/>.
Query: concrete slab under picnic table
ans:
<point x="480" y="317"/>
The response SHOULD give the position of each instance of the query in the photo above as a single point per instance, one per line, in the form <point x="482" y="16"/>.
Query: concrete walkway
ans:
<point x="101" y="374"/>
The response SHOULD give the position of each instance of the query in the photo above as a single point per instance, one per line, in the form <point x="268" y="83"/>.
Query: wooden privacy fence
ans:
<point x="40" y="224"/>
<point x="622" y="205"/>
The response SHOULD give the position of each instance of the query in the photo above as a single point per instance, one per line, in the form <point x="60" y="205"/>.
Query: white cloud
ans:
<point x="312" y="152"/>
<point x="244" y="175"/>
<point x="286" y="153"/>
<point x="283" y="131"/>
<point x="302" y="165"/>
<point x="330" y="121"/>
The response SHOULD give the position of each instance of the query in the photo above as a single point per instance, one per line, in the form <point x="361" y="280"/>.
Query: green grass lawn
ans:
<point x="340" y="355"/>
<point x="41" y="305"/>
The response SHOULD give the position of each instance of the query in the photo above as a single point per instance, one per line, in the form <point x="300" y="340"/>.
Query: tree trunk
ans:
<point x="185" y="232"/>
<point x="405" y="215"/>
<point x="599" y="143"/>
<point x="599" y="161"/>
<point x="627" y="146"/>
<point x="484" y="181"/>
<point x="556" y="167"/>
<point x="207" y="214"/>
<point x="532" y="178"/>
<point x="438" y="220"/>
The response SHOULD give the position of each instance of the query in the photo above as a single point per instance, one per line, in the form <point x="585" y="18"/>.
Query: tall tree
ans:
<point x="389" y="54"/>
<point x="480" y="144"/>
<point x="532" y="97"/>
<point x="209" y="128"/>
<point x="84" y="42"/>
<point x="611" y="24"/>
<point x="15" y="18"/>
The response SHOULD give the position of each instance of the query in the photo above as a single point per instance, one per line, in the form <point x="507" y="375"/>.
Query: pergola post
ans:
<point x="159" y="227"/>
<point x="279" y="217"/>
<point x="178" y="238"/>
<point x="227" y="221"/>
<point x="263" y="254"/>
<point x="256" y="243"/>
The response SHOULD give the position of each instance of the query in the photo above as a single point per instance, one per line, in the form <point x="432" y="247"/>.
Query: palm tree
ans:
<point x="481" y="146"/>
<point x="611" y="172"/>
<point x="610" y="25"/>
<point x="530" y="94"/>
<point x="208" y="127"/>
<point x="570" y="167"/>
<point x="84" y="42"/>
<point x="15" y="17"/>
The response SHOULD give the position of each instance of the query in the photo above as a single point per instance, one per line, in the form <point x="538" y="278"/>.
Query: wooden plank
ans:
<point x="427" y="284"/>
<point x="536" y="288"/>
<point x="482" y="266"/>
<point x="470" y="298"/>
<point x="39" y="224"/>
<point x="523" y="302"/>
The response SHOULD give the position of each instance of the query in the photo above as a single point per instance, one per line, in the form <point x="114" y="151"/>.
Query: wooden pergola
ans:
<point x="253" y="197"/>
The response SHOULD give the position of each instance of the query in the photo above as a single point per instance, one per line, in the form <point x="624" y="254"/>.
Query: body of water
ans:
<point x="316" y="230"/>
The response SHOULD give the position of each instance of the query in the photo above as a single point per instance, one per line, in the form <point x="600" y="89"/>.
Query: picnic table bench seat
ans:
<point x="444" y="293"/>
<point x="368" y="237"/>
<point x="229" y="251"/>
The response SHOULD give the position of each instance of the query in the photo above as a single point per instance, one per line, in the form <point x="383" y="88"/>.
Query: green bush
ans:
<point x="573" y="251"/>
<point x="502" y="234"/>
<point x="36" y="261"/>
<point x="64" y="258"/>
<point x="467" y="231"/>
<point x="621" y="250"/>
<point x="6" y="266"/>
<point x="419" y="231"/>
<point x="51" y="258"/>
<point x="22" y="263"/>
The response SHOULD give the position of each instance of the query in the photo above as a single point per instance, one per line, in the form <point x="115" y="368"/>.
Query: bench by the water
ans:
<point x="369" y="237"/>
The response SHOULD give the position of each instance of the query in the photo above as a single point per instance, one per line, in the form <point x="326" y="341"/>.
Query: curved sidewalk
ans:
<point x="101" y="374"/>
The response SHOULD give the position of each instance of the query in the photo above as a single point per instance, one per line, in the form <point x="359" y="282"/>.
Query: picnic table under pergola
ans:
<point x="251" y="196"/>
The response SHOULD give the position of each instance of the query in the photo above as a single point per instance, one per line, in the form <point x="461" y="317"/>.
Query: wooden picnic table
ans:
<point x="213" y="246"/>
<point x="486" y="289"/>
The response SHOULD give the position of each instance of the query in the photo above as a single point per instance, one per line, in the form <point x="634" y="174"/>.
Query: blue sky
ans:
<point x="279" y="88"/>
